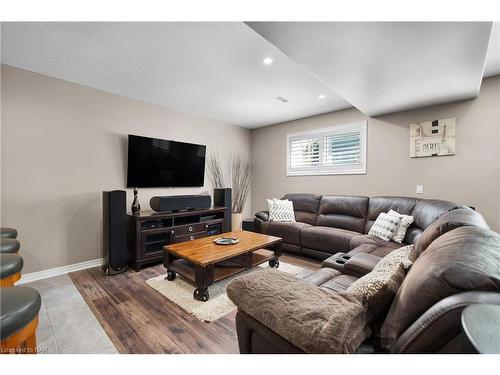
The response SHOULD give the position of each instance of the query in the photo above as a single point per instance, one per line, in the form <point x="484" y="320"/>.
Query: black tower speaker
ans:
<point x="222" y="198"/>
<point x="114" y="222"/>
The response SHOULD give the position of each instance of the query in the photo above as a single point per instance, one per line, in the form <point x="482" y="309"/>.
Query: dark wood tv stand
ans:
<point x="149" y="231"/>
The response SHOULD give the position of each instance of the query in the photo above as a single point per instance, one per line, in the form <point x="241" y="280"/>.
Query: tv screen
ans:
<point x="160" y="163"/>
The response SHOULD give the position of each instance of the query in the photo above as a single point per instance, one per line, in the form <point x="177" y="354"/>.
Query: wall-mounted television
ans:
<point x="162" y="163"/>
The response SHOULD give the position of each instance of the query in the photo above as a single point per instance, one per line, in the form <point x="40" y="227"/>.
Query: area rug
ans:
<point x="181" y="293"/>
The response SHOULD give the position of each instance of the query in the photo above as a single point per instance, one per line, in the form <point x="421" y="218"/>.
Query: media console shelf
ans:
<point x="149" y="231"/>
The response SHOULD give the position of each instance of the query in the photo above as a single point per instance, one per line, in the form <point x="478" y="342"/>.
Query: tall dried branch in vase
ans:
<point x="241" y="178"/>
<point x="215" y="172"/>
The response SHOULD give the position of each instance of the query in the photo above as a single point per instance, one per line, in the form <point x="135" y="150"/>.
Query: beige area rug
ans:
<point x="218" y="305"/>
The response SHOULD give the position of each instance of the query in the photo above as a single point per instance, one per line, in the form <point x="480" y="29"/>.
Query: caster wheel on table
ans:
<point x="274" y="263"/>
<point x="170" y="275"/>
<point x="201" y="295"/>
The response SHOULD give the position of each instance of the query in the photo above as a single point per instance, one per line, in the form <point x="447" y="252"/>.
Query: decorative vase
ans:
<point x="136" y="207"/>
<point x="236" y="220"/>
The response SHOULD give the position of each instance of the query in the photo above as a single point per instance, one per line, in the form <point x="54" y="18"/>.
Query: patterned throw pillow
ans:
<point x="379" y="287"/>
<point x="385" y="226"/>
<point x="406" y="221"/>
<point x="281" y="210"/>
<point x="405" y="256"/>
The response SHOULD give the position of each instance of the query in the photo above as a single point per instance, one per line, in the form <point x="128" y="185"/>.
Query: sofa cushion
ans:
<point x="428" y="211"/>
<point x="463" y="259"/>
<point x="320" y="276"/>
<point x="305" y="315"/>
<point x="343" y="212"/>
<point x="449" y="221"/>
<point x="340" y="283"/>
<point x="306" y="206"/>
<point x="371" y="245"/>
<point x="363" y="239"/>
<point x="289" y="232"/>
<point x="377" y="205"/>
<point x="326" y="239"/>
<point x="377" y="250"/>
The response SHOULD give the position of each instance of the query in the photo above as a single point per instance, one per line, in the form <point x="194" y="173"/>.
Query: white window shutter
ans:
<point x="340" y="149"/>
<point x="305" y="153"/>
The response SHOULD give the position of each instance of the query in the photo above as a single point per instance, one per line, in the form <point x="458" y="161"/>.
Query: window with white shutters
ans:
<point x="337" y="150"/>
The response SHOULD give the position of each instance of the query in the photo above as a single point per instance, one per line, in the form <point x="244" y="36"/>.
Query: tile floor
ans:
<point x="67" y="325"/>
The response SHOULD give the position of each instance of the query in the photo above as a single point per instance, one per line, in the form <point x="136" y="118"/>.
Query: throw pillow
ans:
<point x="379" y="287"/>
<point x="406" y="221"/>
<point x="281" y="210"/>
<point x="385" y="226"/>
<point x="405" y="256"/>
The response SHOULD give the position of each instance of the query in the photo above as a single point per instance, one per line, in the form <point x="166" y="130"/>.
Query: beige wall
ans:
<point x="471" y="176"/>
<point x="63" y="144"/>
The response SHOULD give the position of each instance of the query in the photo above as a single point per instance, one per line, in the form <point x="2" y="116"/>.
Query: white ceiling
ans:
<point x="215" y="70"/>
<point x="385" y="67"/>
<point x="492" y="66"/>
<point x="212" y="70"/>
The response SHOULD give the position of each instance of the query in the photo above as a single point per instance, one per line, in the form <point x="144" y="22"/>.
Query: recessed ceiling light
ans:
<point x="282" y="99"/>
<point x="322" y="96"/>
<point x="267" y="61"/>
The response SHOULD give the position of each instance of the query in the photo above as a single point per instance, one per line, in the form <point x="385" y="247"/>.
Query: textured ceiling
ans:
<point x="384" y="67"/>
<point x="215" y="70"/>
<point x="212" y="70"/>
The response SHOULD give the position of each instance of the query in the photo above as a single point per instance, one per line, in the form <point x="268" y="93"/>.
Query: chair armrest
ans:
<point x="311" y="318"/>
<point x="263" y="215"/>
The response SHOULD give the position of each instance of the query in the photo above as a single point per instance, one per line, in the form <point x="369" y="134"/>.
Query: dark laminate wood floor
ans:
<point x="138" y="319"/>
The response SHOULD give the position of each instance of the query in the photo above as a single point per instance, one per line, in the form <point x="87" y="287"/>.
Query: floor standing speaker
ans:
<point x="222" y="198"/>
<point x="114" y="219"/>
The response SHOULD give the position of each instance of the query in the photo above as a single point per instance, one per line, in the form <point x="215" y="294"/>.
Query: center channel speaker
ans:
<point x="114" y="222"/>
<point x="174" y="203"/>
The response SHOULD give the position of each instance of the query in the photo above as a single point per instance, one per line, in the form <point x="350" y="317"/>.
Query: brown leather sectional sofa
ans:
<point x="458" y="264"/>
<point x="331" y="224"/>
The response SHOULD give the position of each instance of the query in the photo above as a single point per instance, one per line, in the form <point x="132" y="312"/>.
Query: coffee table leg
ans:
<point x="167" y="261"/>
<point x="204" y="277"/>
<point x="277" y="253"/>
<point x="171" y="275"/>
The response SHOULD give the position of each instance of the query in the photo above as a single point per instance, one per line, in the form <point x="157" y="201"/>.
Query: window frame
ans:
<point x="322" y="170"/>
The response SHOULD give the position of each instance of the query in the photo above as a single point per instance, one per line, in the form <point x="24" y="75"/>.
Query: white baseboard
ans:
<point x="40" y="275"/>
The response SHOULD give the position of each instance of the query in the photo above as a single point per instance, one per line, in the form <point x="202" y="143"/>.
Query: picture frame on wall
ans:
<point x="432" y="138"/>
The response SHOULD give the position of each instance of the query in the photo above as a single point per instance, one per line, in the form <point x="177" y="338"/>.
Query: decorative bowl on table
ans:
<point x="226" y="241"/>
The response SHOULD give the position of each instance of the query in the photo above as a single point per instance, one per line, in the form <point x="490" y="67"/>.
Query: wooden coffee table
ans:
<point x="202" y="262"/>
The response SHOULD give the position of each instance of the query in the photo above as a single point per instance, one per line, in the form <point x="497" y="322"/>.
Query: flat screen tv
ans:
<point x="160" y="163"/>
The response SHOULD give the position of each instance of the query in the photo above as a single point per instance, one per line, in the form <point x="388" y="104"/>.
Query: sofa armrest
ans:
<point x="362" y="263"/>
<point x="357" y="265"/>
<point x="310" y="318"/>
<point x="262" y="215"/>
<point x="438" y="328"/>
<point x="256" y="338"/>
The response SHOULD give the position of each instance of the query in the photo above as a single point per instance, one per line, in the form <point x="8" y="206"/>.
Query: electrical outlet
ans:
<point x="420" y="189"/>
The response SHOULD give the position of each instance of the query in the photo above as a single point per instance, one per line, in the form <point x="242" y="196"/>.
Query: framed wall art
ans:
<point x="432" y="138"/>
